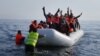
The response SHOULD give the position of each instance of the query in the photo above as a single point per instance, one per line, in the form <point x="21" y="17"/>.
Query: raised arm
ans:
<point x="57" y="11"/>
<point x="71" y="14"/>
<point x="78" y="16"/>
<point x="68" y="11"/>
<point x="61" y="13"/>
<point x="44" y="11"/>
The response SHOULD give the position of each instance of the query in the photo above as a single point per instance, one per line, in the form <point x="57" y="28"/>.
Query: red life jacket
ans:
<point x="71" y="20"/>
<point x="56" y="20"/>
<point x="49" y="20"/>
<point x="18" y="39"/>
<point x="67" y="19"/>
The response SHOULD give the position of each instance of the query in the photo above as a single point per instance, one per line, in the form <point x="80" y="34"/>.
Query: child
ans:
<point x="19" y="38"/>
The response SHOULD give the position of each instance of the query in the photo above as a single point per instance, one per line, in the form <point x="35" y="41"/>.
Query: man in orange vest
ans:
<point x="19" y="38"/>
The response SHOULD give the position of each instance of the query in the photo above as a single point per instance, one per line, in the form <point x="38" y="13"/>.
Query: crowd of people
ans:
<point x="66" y="23"/>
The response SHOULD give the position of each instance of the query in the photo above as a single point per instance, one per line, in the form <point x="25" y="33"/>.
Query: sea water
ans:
<point x="88" y="45"/>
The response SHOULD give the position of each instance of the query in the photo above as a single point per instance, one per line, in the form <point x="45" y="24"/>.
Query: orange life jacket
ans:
<point x="68" y="20"/>
<point x="18" y="39"/>
<point x="71" y="20"/>
<point x="56" y="20"/>
<point x="49" y="20"/>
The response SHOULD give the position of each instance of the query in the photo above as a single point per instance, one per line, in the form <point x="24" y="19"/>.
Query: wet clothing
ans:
<point x="19" y="39"/>
<point x="29" y="48"/>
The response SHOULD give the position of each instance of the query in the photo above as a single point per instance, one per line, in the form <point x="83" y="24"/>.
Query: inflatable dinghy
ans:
<point x="55" y="38"/>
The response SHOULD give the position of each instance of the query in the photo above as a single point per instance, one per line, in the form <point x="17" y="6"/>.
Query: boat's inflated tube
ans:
<point x="53" y="37"/>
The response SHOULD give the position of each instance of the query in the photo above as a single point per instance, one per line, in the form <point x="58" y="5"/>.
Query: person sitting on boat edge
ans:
<point x="19" y="38"/>
<point x="77" y="24"/>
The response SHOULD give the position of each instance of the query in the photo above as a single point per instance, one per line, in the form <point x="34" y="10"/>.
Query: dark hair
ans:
<point x="19" y="31"/>
<point x="41" y="21"/>
<point x="35" y="21"/>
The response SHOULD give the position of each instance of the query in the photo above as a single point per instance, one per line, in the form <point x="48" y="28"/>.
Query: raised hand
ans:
<point x="58" y="9"/>
<point x="43" y="8"/>
<point x="80" y="14"/>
